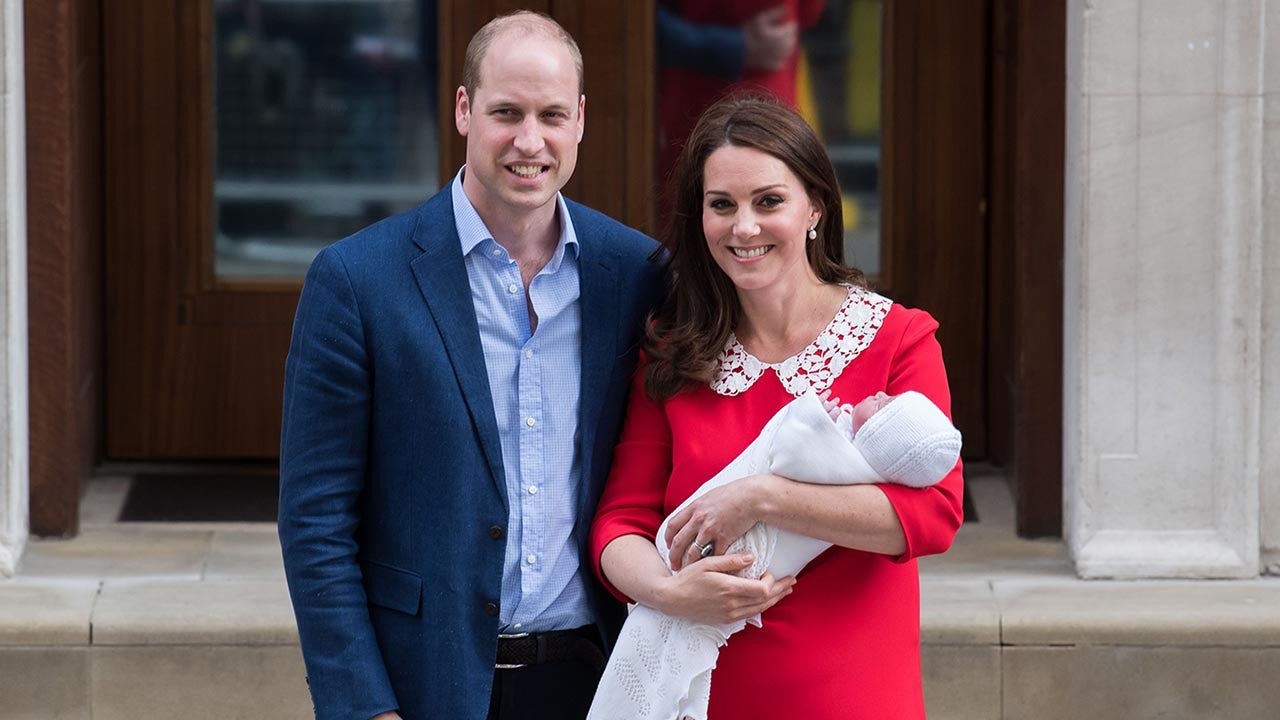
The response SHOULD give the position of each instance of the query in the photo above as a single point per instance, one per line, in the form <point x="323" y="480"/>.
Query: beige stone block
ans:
<point x="1178" y="613"/>
<point x="958" y="612"/>
<point x="961" y="682"/>
<point x="44" y="684"/>
<point x="120" y="552"/>
<point x="7" y="55"/>
<point x="1180" y="47"/>
<point x="1269" y="462"/>
<point x="185" y="613"/>
<point x="45" y="613"/>
<point x="199" y="683"/>
<point x="1243" y="33"/>
<point x="1111" y="46"/>
<point x="1140" y="683"/>
<point x="245" y="554"/>
<point x="1271" y="41"/>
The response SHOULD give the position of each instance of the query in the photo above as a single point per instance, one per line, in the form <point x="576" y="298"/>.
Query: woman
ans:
<point x="760" y="311"/>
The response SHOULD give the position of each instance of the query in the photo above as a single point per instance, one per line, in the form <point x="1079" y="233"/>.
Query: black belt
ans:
<point x="522" y="649"/>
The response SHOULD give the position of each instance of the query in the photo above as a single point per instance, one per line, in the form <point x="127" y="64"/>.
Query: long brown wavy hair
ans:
<point x="690" y="329"/>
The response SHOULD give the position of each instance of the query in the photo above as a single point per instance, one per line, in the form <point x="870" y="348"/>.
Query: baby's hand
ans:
<point x="833" y="406"/>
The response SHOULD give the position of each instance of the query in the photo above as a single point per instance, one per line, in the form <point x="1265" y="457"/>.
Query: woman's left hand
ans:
<point x="720" y="517"/>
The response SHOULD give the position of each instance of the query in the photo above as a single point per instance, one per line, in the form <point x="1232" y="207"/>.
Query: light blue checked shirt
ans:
<point x="535" y="380"/>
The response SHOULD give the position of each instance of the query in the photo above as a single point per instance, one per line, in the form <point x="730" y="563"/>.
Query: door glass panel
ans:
<point x="840" y="95"/>
<point x="833" y="80"/>
<point x="325" y="121"/>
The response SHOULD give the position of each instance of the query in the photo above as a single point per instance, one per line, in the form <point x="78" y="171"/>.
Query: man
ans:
<point x="453" y="392"/>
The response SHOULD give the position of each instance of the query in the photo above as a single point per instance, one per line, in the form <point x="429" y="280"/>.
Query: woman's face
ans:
<point x="756" y="216"/>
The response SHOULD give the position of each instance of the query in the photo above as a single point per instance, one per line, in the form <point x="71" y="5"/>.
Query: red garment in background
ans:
<point x="684" y="94"/>
<point x="845" y="644"/>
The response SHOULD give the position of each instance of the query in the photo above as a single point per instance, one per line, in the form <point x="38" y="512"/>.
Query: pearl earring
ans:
<point x="813" y="232"/>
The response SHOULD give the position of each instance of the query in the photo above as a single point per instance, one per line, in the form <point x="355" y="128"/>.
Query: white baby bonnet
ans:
<point x="910" y="441"/>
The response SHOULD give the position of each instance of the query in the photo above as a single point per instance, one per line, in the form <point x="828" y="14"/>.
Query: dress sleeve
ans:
<point x="930" y="516"/>
<point x="633" y="495"/>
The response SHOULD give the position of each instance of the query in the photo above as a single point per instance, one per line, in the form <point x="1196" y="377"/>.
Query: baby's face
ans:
<point x="868" y="407"/>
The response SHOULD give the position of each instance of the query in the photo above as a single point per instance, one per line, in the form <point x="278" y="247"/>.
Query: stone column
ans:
<point x="1164" y="288"/>
<point x="1270" y="421"/>
<point x="13" y="293"/>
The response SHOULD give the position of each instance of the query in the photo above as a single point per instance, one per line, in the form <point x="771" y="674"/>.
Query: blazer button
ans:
<point x="491" y="609"/>
<point x="495" y="532"/>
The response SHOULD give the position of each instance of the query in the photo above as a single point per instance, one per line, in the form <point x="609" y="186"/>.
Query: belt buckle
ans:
<point x="510" y="636"/>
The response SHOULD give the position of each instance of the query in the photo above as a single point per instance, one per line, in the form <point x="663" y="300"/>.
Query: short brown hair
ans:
<point x="527" y="21"/>
<point x="687" y="334"/>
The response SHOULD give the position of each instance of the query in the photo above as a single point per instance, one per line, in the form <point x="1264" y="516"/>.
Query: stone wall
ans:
<point x="13" y="291"/>
<point x="1164" y="310"/>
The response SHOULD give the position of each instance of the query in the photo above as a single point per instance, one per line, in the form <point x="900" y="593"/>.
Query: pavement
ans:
<point x="156" y="620"/>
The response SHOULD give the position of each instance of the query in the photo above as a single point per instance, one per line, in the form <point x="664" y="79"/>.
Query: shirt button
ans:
<point x="491" y="609"/>
<point x="530" y="422"/>
<point x="532" y="559"/>
<point x="495" y="532"/>
<point x="497" y="252"/>
<point x="512" y="288"/>
<point x="528" y="353"/>
<point x="533" y="489"/>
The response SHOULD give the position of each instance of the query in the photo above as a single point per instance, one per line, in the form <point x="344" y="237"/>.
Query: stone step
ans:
<point x="1014" y="647"/>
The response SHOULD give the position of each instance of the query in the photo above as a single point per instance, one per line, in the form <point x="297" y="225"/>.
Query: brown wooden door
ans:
<point x="194" y="357"/>
<point x="934" y="180"/>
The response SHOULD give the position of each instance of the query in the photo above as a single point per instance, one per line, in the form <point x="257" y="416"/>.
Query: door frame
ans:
<point x="65" y="246"/>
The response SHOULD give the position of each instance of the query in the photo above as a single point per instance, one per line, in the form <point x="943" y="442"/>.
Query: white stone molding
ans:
<point x="13" y="298"/>
<point x="1269" y="421"/>
<point x="1164" y="293"/>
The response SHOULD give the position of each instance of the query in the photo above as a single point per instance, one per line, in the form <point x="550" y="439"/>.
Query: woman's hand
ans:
<point x="720" y="517"/>
<point x="706" y="592"/>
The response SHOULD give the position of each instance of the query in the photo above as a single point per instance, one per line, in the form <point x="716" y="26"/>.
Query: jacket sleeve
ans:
<point x="322" y="473"/>
<point x="718" y="50"/>
<point x="632" y="503"/>
<point x="930" y="516"/>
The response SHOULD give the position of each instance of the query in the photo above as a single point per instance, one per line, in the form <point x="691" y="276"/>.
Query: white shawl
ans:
<point x="661" y="666"/>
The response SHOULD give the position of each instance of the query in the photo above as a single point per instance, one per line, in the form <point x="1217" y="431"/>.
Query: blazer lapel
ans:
<point x="598" y="288"/>
<point x="442" y="278"/>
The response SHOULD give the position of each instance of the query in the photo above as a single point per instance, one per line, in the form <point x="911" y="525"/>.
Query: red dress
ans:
<point x="846" y="643"/>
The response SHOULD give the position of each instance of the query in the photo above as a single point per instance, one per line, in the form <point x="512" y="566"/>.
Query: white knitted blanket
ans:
<point x="661" y="666"/>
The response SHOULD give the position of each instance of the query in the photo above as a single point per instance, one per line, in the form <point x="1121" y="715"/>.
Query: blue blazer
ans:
<point x="393" y="506"/>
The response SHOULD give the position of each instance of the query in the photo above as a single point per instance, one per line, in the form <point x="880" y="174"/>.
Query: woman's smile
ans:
<point x="756" y="216"/>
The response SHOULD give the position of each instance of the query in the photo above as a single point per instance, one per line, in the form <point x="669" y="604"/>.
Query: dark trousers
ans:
<point x="548" y="691"/>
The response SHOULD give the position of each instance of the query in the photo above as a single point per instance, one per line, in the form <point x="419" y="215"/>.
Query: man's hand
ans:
<point x="770" y="39"/>
<point x="387" y="716"/>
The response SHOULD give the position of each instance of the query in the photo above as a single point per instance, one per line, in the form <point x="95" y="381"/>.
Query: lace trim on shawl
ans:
<point x="821" y="362"/>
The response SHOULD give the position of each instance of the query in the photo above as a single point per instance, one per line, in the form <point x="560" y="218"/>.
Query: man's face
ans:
<point x="522" y="127"/>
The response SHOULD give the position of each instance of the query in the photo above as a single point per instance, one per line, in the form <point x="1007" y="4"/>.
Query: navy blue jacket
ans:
<point x="393" y="507"/>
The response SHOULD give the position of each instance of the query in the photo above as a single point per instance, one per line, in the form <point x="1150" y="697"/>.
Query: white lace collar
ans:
<point x="815" y="367"/>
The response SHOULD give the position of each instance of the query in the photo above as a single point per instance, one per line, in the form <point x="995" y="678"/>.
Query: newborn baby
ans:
<point x="661" y="666"/>
<point x="905" y="438"/>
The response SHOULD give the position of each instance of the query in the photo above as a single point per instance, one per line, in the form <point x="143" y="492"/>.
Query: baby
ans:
<point x="905" y="438"/>
<point x="661" y="666"/>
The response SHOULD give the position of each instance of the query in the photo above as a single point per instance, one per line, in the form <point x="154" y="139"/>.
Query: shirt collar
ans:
<point x="472" y="231"/>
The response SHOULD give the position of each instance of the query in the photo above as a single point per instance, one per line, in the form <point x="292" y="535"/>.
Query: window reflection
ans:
<point x="707" y="48"/>
<point x="325" y="122"/>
